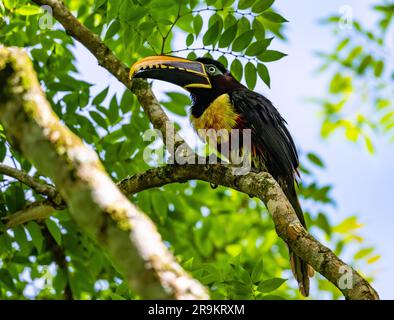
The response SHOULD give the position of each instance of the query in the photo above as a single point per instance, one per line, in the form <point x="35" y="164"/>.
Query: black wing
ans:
<point x="268" y="130"/>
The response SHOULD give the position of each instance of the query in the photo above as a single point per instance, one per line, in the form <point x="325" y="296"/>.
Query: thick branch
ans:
<point x="263" y="186"/>
<point x="95" y="203"/>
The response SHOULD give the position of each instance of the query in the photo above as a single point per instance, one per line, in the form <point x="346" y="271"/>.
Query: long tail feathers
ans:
<point x="301" y="270"/>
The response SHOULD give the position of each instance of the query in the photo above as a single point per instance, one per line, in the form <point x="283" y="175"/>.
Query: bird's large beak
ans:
<point x="179" y="71"/>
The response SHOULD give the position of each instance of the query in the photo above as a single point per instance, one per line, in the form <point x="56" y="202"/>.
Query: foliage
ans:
<point x="224" y="238"/>
<point x="362" y="72"/>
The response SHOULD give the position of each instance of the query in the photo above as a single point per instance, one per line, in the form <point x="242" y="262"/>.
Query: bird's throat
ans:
<point x="219" y="114"/>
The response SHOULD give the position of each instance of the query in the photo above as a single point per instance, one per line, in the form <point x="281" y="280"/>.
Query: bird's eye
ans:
<point x="211" y="69"/>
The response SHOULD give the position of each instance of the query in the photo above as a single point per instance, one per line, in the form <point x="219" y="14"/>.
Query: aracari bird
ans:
<point x="219" y="101"/>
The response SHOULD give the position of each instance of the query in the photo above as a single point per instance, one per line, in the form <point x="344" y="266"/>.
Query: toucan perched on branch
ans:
<point x="221" y="102"/>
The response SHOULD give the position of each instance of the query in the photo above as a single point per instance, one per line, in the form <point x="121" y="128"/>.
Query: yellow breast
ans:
<point x="219" y="115"/>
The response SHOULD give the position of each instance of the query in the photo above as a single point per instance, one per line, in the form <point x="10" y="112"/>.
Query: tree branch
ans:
<point x="39" y="187"/>
<point x="263" y="186"/>
<point x="96" y="204"/>
<point x="35" y="211"/>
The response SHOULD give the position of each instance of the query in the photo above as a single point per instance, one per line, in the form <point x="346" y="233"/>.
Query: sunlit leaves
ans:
<point x="378" y="68"/>
<point x="360" y="79"/>
<point x="257" y="271"/>
<point x="315" y="159"/>
<point x="245" y="4"/>
<point x="250" y="75"/>
<point x="113" y="29"/>
<point x="273" y="17"/>
<point x="270" y="284"/>
<point x="258" y="47"/>
<point x="236" y="69"/>
<point x="212" y="34"/>
<point x="262" y="5"/>
<point x="28" y="10"/>
<point x="197" y="24"/>
<point x="178" y="103"/>
<point x="36" y="235"/>
<point x="228" y="36"/>
<point x="271" y="55"/>
<point x="263" y="72"/>
<point x="242" y="41"/>
<point x="54" y="230"/>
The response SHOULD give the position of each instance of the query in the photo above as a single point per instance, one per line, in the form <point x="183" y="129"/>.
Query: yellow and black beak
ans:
<point x="179" y="71"/>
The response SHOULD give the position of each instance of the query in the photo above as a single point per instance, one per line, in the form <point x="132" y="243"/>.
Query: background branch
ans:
<point x="25" y="178"/>
<point x="95" y="203"/>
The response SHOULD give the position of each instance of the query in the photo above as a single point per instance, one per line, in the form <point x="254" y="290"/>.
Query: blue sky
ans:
<point x="362" y="183"/>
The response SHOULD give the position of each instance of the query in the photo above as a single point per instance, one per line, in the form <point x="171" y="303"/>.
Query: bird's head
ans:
<point x="201" y="76"/>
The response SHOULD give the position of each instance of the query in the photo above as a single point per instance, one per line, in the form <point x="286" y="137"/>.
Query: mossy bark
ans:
<point x="96" y="204"/>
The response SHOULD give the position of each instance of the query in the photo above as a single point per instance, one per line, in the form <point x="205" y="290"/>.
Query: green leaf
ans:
<point x="211" y="35"/>
<point x="263" y="73"/>
<point x="228" y="36"/>
<point x="323" y="223"/>
<point x="242" y="41"/>
<point x="241" y="274"/>
<point x="257" y="271"/>
<point x="364" y="64"/>
<point x="127" y="101"/>
<point x="159" y="206"/>
<point x="3" y="151"/>
<point x="271" y="55"/>
<point x="369" y="145"/>
<point x="9" y="4"/>
<point x="188" y="264"/>
<point x="28" y="10"/>
<point x="54" y="230"/>
<point x="363" y="253"/>
<point x="5" y="243"/>
<point x="98" y="118"/>
<point x="353" y="54"/>
<point x="113" y="111"/>
<point x="189" y="39"/>
<point x="259" y="30"/>
<point x="258" y="47"/>
<point x="197" y="24"/>
<point x="270" y="284"/>
<point x="178" y="103"/>
<point x="250" y="75"/>
<point x="379" y="66"/>
<point x="112" y="30"/>
<point x="273" y="17"/>
<point x="36" y="235"/>
<point x="21" y="239"/>
<point x="100" y="97"/>
<point x="262" y="5"/>
<point x="236" y="69"/>
<point x="98" y="3"/>
<point x="245" y="4"/>
<point x="223" y="60"/>
<point x="192" y="56"/>
<point x="59" y="281"/>
<point x="315" y="160"/>
<point x="6" y="279"/>
<point x="342" y="44"/>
